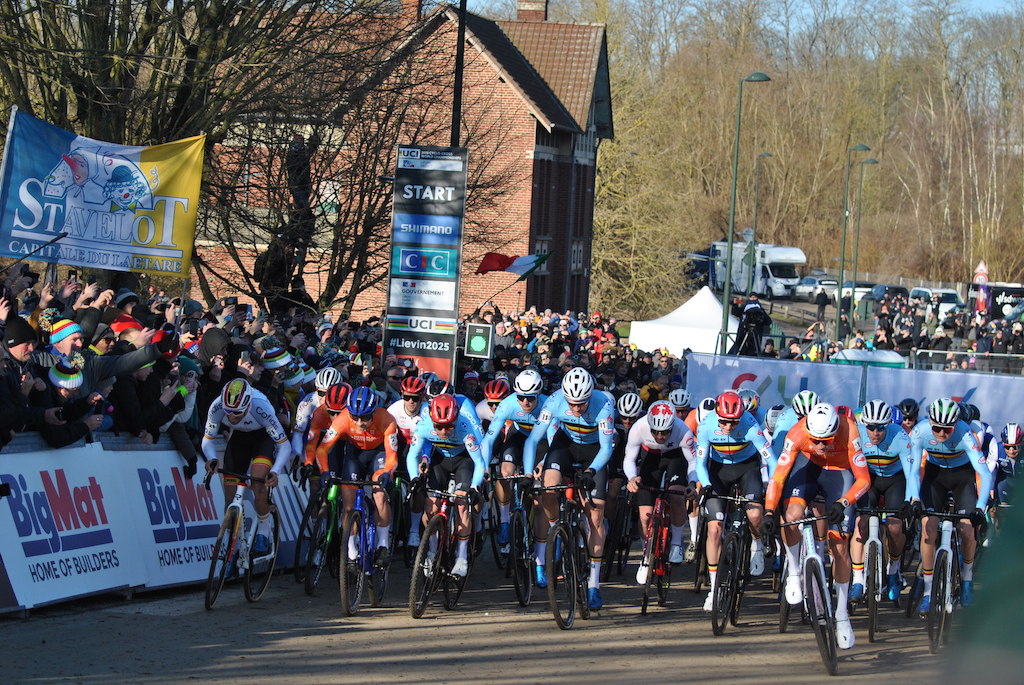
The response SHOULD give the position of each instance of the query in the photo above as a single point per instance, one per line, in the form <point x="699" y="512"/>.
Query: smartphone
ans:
<point x="230" y="301"/>
<point x="247" y="310"/>
<point x="72" y="275"/>
<point x="193" y="327"/>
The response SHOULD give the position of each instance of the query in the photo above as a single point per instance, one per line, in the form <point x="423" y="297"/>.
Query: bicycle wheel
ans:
<point x="816" y="600"/>
<point x="302" y="540"/>
<point x="954" y="590"/>
<point x="494" y="525"/>
<point x="582" y="569"/>
<point x="223" y="556"/>
<point x="784" y="610"/>
<point x="616" y="530"/>
<point x="725" y="589"/>
<point x="453" y="584"/>
<point x="701" y="562"/>
<point x="742" y="576"/>
<point x="648" y="559"/>
<point x="664" y="582"/>
<point x="874" y="578"/>
<point x="261" y="567"/>
<point x="316" y="555"/>
<point x="937" y="611"/>
<point x="378" y="572"/>
<point x="630" y="525"/>
<point x="520" y="558"/>
<point x="351" y="578"/>
<point x="559" y="562"/>
<point x="427" y="570"/>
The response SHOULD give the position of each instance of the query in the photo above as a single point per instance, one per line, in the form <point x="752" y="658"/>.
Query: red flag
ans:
<point x="493" y="261"/>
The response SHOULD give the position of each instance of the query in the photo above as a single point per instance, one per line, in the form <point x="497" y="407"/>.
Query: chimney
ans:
<point x="412" y="10"/>
<point x="532" y="10"/>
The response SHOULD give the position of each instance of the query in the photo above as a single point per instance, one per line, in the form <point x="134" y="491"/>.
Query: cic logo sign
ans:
<point x="423" y="261"/>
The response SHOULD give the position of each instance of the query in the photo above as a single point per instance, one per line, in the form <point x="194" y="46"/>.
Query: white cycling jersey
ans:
<point x="640" y="436"/>
<point x="406" y="423"/>
<point x="261" y="416"/>
<point x="303" y="413"/>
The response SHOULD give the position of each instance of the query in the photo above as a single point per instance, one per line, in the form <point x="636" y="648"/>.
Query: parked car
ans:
<point x="809" y="287"/>
<point x="949" y="299"/>
<point x="879" y="292"/>
<point x="860" y="290"/>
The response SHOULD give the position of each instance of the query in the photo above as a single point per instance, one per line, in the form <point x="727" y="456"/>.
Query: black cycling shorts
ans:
<point x="441" y="472"/>
<point x="887" y="491"/>
<point x="566" y="456"/>
<point x="938" y="482"/>
<point x="511" y="449"/>
<point x="808" y="480"/>
<point x="244" y="446"/>
<point x="362" y="464"/>
<point x="723" y="476"/>
<point x="672" y="465"/>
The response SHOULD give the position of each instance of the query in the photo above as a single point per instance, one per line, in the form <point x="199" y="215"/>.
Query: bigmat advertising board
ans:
<point x="426" y="256"/>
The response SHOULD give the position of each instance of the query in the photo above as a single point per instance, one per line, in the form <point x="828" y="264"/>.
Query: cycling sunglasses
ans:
<point x="526" y="398"/>
<point x="656" y="432"/>
<point x="876" y="427"/>
<point x="412" y="398"/>
<point x="444" y="426"/>
<point x="728" y="422"/>
<point x="578" y="404"/>
<point x="942" y="429"/>
<point x="822" y="441"/>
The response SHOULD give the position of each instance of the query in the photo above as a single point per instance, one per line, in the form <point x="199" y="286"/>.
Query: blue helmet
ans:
<point x="362" y="402"/>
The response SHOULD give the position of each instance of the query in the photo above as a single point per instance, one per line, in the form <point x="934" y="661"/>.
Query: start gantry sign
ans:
<point x="426" y="256"/>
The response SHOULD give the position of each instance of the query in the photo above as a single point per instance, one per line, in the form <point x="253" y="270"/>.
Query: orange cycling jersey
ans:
<point x="842" y="453"/>
<point x="691" y="421"/>
<point x="382" y="431"/>
<point x="319" y="422"/>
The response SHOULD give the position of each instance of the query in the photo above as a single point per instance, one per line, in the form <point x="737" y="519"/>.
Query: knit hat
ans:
<point x="124" y="323"/>
<point x="276" y="357"/>
<point x="191" y="307"/>
<point x="18" y="331"/>
<point x="101" y="330"/>
<point x="63" y="329"/>
<point x="124" y="297"/>
<point x="186" y="366"/>
<point x="63" y="375"/>
<point x="293" y="376"/>
<point x="308" y="372"/>
<point x="325" y="326"/>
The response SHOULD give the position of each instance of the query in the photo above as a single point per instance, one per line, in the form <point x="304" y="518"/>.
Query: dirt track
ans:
<point x="291" y="638"/>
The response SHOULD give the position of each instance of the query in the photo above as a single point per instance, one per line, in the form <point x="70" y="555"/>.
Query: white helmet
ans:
<point x="874" y="412"/>
<point x="661" y="416"/>
<point x="327" y="377"/>
<point x="771" y="418"/>
<point x="804" y="400"/>
<point x="679" y="398"/>
<point x="944" y="412"/>
<point x="528" y="382"/>
<point x="707" y="405"/>
<point x="630" y="406"/>
<point x="577" y="385"/>
<point x="822" y="420"/>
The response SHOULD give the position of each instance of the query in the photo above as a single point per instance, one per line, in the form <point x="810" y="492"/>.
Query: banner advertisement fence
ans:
<point x="426" y="256"/>
<point x="123" y="207"/>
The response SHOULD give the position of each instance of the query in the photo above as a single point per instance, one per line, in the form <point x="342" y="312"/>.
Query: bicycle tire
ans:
<point x="378" y="578"/>
<point x="629" y="524"/>
<point x="222" y="557"/>
<point x="582" y="569"/>
<point x="302" y="541"/>
<point x="425" y="579"/>
<point x="742" y="576"/>
<point x="258" y="574"/>
<point x="614" y="539"/>
<point x="664" y="582"/>
<point x="455" y="585"/>
<point x="955" y="584"/>
<point x="784" y="610"/>
<point x="937" y="610"/>
<point x="873" y="587"/>
<point x="316" y="555"/>
<point x="494" y="521"/>
<point x="559" y="562"/>
<point x="520" y="558"/>
<point x="647" y="558"/>
<point x="351" y="578"/>
<point x="701" y="562"/>
<point x="725" y="588"/>
<point x="816" y="600"/>
<point x="914" y="594"/>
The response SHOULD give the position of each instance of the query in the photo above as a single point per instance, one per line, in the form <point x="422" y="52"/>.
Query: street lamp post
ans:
<point x="856" y="233"/>
<point x="757" y="196"/>
<point x="756" y="77"/>
<point x="860" y="147"/>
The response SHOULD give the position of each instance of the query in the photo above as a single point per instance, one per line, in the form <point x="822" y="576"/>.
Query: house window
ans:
<point x="577" y="256"/>
<point x="542" y="246"/>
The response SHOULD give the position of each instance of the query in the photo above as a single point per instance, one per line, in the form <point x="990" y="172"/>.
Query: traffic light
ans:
<point x="479" y="340"/>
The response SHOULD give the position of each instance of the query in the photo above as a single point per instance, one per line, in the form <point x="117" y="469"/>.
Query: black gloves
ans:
<point x="837" y="513"/>
<point x="587" y="480"/>
<point x="769" y="524"/>
<point x="977" y="517"/>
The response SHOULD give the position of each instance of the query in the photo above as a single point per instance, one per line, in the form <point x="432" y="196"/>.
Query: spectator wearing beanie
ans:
<point x="16" y="379"/>
<point x="61" y="390"/>
<point x="141" y="403"/>
<point x="185" y="424"/>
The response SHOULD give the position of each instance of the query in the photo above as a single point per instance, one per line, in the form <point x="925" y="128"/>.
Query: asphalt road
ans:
<point x="287" y="637"/>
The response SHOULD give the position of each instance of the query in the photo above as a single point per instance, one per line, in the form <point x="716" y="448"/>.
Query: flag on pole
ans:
<point x="524" y="266"/>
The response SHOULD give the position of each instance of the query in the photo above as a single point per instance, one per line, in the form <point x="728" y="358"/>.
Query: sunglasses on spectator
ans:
<point x="876" y="427"/>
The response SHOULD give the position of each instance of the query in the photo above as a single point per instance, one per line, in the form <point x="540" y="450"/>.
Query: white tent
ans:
<point x="694" y="325"/>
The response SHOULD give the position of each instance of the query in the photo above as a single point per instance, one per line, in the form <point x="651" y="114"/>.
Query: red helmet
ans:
<point x="336" y="396"/>
<point x="729" y="405"/>
<point x="496" y="390"/>
<point x="444" y="409"/>
<point x="413" y="385"/>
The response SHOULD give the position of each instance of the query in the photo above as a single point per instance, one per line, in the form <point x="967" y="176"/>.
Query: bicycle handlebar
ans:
<point x="799" y="522"/>
<point x="239" y="476"/>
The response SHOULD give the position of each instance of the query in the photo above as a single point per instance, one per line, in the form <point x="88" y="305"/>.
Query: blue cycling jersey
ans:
<point x="466" y="409"/>
<point x="891" y="455"/>
<point x="510" y="410"/>
<point x="1004" y="462"/>
<point x="595" y="425"/>
<point x="959" y="449"/>
<point x="787" y="419"/>
<point x="465" y="439"/>
<point x="744" y="442"/>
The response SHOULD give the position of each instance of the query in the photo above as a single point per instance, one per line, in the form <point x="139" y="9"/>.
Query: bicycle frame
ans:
<point x="368" y="536"/>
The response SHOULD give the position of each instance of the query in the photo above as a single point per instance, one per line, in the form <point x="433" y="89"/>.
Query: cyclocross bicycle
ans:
<point x="817" y="597"/>
<point x="874" y="563"/>
<point x="435" y="556"/>
<point x="567" y="558"/>
<point x="355" y="574"/>
<point x="733" y="563"/>
<point x="323" y="533"/>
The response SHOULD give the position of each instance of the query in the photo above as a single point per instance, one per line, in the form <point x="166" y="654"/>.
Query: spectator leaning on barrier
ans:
<point x="142" y="404"/>
<point x="16" y="379"/>
<point x="81" y="415"/>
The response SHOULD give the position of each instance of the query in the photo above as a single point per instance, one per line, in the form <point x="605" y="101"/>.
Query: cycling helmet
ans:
<point x="325" y="378"/>
<point x="729" y="405"/>
<point x="679" y="398"/>
<point x="822" y="420"/>
<point x="577" y="385"/>
<point x="707" y="405"/>
<point x="843" y="410"/>
<point x="751" y="399"/>
<point x="439" y="387"/>
<point x="237" y="396"/>
<point x="875" y="412"/>
<point x="804" y="400"/>
<point x="528" y="382"/>
<point x="336" y="396"/>
<point x="1012" y="434"/>
<point x="897" y="416"/>
<point x="413" y="385"/>
<point x="362" y="402"/>
<point x="772" y="417"/>
<point x="444" y="409"/>
<point x="965" y="411"/>
<point x="630" y="406"/>
<point x="909" y="407"/>
<point x="496" y="391"/>
<point x="944" y="412"/>
<point x="661" y="416"/>
<point x="975" y="412"/>
<point x="429" y="377"/>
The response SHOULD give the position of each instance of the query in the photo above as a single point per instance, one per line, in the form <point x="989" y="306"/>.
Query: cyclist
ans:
<point x="953" y="461"/>
<point x="680" y="401"/>
<point x="798" y="408"/>
<point x="367" y="437"/>
<point x="909" y="410"/>
<point x="661" y="445"/>
<point x="255" y="436"/>
<point x="630" y="408"/>
<point x="325" y="378"/>
<point x="821" y="454"/>
<point x="407" y="413"/>
<point x="752" y="404"/>
<point x="886" y="448"/>
<point x="730" y="448"/>
<point x="1002" y="460"/>
<point x="467" y="408"/>
<point x="578" y="422"/>
<point x="319" y="424"/>
<point x="446" y="446"/>
<point x="494" y="392"/>
<point x="771" y="420"/>
<point x="512" y="422"/>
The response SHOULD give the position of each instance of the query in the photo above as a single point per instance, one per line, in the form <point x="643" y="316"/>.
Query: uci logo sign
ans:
<point x="420" y="261"/>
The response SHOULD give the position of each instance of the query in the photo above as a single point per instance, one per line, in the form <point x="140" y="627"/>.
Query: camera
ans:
<point x="228" y="301"/>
